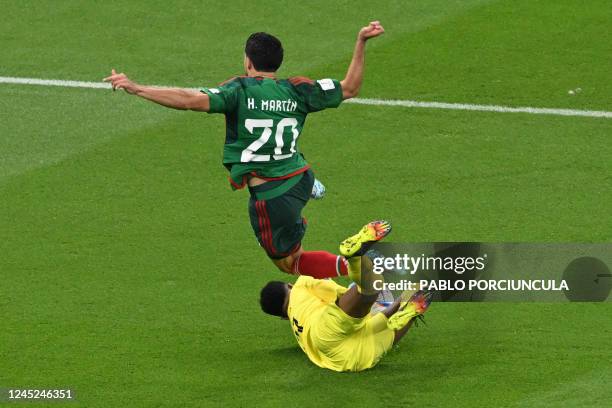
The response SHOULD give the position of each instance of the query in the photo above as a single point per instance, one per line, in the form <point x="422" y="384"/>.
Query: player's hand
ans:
<point x="121" y="81"/>
<point x="374" y="29"/>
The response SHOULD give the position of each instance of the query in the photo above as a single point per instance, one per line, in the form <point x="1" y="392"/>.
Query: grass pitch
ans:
<point x="129" y="271"/>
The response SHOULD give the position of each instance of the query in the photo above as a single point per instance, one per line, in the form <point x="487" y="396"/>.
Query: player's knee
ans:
<point x="285" y="264"/>
<point x="284" y="268"/>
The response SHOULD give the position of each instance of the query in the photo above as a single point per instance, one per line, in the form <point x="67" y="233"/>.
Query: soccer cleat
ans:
<point x="420" y="301"/>
<point x="412" y="308"/>
<point x="318" y="190"/>
<point x="358" y="244"/>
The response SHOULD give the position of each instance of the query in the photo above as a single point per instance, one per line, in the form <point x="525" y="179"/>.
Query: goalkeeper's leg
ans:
<point x="399" y="334"/>
<point x="390" y="311"/>
<point x="404" y="312"/>
<point x="358" y="300"/>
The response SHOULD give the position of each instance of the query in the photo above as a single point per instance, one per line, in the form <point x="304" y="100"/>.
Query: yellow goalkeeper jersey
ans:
<point x="329" y="337"/>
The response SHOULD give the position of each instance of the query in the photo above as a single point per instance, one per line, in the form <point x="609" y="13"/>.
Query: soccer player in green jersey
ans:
<point x="264" y="117"/>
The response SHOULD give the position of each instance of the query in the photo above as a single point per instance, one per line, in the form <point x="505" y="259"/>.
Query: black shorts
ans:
<point x="275" y="210"/>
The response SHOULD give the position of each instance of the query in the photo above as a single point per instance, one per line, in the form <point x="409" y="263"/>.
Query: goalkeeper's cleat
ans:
<point x="358" y="244"/>
<point x="318" y="190"/>
<point x="413" y="308"/>
<point x="420" y="300"/>
<point x="419" y="319"/>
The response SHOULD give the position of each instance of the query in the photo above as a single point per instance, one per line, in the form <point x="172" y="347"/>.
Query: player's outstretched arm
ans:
<point x="176" y="98"/>
<point x="354" y="76"/>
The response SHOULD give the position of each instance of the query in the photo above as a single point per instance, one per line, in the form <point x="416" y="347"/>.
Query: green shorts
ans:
<point x="275" y="210"/>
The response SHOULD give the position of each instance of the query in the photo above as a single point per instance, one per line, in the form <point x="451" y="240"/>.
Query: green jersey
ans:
<point x="264" y="118"/>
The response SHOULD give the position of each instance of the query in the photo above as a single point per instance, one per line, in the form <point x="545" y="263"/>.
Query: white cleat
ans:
<point x="318" y="190"/>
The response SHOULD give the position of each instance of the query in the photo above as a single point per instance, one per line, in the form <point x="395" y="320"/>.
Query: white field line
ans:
<point x="53" y="82"/>
<point x="483" y="108"/>
<point x="359" y="101"/>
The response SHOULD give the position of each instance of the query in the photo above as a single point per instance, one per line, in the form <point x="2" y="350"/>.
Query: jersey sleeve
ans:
<point x="223" y="98"/>
<point x="320" y="94"/>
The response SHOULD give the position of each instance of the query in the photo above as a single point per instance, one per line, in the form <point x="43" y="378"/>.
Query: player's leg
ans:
<point x="404" y="312"/>
<point x="318" y="264"/>
<point x="399" y="334"/>
<point x="361" y="339"/>
<point x="357" y="245"/>
<point x="286" y="264"/>
<point x="275" y="210"/>
<point x="358" y="300"/>
<point x="322" y="264"/>
<point x="390" y="311"/>
<point x="356" y="304"/>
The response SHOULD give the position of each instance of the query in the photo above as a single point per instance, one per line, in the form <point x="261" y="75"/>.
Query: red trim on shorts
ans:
<point x="260" y="220"/>
<point x="254" y="174"/>
<point x="264" y="227"/>
<point x="269" y="226"/>
<point x="286" y="176"/>
<point x="238" y="186"/>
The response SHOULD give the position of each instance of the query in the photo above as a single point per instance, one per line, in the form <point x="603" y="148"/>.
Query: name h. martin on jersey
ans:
<point x="503" y="285"/>
<point x="273" y="105"/>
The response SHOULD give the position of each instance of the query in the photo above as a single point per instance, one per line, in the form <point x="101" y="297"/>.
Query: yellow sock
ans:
<point x="354" y="269"/>
<point x="361" y="273"/>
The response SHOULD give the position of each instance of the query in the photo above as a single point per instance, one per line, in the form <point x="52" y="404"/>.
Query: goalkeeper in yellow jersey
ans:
<point x="333" y="324"/>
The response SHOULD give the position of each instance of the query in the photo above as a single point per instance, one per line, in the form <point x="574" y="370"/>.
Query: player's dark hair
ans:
<point x="265" y="52"/>
<point x="272" y="298"/>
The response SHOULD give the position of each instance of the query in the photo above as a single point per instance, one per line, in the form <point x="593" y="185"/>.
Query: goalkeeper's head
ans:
<point x="274" y="298"/>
